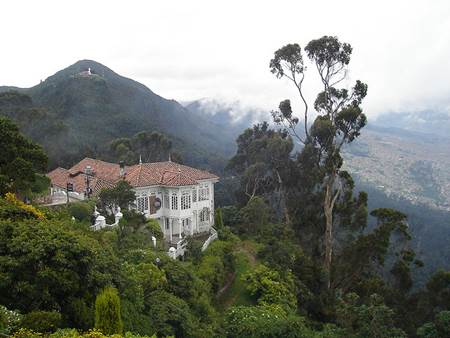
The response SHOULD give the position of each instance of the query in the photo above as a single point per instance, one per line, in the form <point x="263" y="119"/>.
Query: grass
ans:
<point x="236" y="294"/>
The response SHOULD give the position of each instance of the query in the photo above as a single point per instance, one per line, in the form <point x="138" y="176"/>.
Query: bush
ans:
<point x="194" y="250"/>
<point x="9" y="320"/>
<point x="51" y="262"/>
<point x="107" y="311"/>
<point x="218" y="219"/>
<point x="437" y="329"/>
<point x="72" y="333"/>
<point x="80" y="313"/>
<point x="26" y="333"/>
<point x="212" y="270"/>
<point x="81" y="211"/>
<point x="154" y="228"/>
<point x="224" y="250"/>
<point x="264" y="321"/>
<point x="230" y="216"/>
<point x="217" y="260"/>
<point x="41" y="321"/>
<point x="269" y="287"/>
<point x="171" y="316"/>
<point x="12" y="208"/>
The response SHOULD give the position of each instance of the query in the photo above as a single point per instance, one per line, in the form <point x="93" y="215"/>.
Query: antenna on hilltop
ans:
<point x="170" y="158"/>
<point x="140" y="159"/>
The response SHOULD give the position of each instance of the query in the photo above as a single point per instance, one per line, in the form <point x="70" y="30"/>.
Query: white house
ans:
<point x="181" y="198"/>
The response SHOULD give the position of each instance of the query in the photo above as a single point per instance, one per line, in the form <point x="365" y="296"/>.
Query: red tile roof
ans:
<point x="60" y="177"/>
<point x="166" y="174"/>
<point x="104" y="170"/>
<point x="106" y="175"/>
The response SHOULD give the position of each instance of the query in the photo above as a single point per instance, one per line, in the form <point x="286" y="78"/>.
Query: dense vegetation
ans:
<point x="296" y="254"/>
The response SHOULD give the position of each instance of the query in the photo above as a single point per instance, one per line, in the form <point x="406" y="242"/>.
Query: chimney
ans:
<point x="122" y="169"/>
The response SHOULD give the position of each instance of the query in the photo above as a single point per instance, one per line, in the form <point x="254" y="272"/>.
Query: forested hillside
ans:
<point x="429" y="228"/>
<point x="96" y="108"/>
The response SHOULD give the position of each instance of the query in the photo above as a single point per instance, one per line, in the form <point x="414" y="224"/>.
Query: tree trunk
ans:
<point x="328" y="211"/>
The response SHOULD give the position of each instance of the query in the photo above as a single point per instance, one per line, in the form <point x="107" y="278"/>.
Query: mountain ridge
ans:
<point x="99" y="105"/>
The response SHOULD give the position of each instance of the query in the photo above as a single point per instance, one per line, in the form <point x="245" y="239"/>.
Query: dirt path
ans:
<point x="228" y="282"/>
<point x="233" y="289"/>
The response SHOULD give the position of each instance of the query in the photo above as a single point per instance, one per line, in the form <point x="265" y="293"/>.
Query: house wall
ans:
<point x="192" y="220"/>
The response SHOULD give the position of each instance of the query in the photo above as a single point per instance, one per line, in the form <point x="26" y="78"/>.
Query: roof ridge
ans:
<point x="161" y="180"/>
<point x="180" y="175"/>
<point x="140" y="172"/>
<point x="96" y="160"/>
<point x="60" y="168"/>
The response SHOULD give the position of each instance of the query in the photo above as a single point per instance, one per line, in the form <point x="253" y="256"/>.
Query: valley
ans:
<point x="409" y="165"/>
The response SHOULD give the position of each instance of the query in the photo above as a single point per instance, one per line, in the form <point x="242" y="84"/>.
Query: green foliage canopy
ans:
<point x="21" y="159"/>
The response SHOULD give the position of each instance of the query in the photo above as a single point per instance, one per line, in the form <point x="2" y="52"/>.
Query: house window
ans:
<point x="185" y="222"/>
<point x="166" y="201"/>
<point x="185" y="200"/>
<point x="194" y="195"/>
<point x="203" y="192"/>
<point x="142" y="203"/>
<point x="174" y="201"/>
<point x="204" y="215"/>
<point x="167" y="223"/>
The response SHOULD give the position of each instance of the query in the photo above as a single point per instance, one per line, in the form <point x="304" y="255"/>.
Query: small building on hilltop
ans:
<point x="180" y="197"/>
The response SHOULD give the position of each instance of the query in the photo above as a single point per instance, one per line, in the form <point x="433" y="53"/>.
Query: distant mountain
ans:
<point x="428" y="121"/>
<point x="98" y="105"/>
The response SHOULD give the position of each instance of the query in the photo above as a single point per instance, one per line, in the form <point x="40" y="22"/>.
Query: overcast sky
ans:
<point x="186" y="50"/>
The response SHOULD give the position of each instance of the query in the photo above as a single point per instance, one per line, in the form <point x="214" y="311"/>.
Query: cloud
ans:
<point x="191" y="49"/>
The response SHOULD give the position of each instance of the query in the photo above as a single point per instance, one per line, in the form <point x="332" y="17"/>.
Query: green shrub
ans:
<point x="269" y="287"/>
<point x="230" y="216"/>
<point x="217" y="260"/>
<point x="107" y="311"/>
<point x="218" y="219"/>
<point x="264" y="322"/>
<point x="438" y="329"/>
<point x="9" y="320"/>
<point x="81" y="211"/>
<point x="80" y="313"/>
<point x="194" y="250"/>
<point x="41" y="321"/>
<point x="212" y="271"/>
<point x="224" y="250"/>
<point x="26" y="333"/>
<point x="72" y="333"/>
<point x="155" y="229"/>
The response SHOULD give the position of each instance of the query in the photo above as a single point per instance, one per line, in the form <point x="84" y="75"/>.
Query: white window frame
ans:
<point x="203" y="192"/>
<point x="185" y="200"/>
<point x="142" y="203"/>
<point x="166" y="201"/>
<point x="174" y="201"/>
<point x="194" y="194"/>
<point x="204" y="215"/>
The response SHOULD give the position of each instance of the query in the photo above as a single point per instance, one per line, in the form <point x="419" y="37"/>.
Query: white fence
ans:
<point x="212" y="237"/>
<point x="100" y="221"/>
<point x="180" y="248"/>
